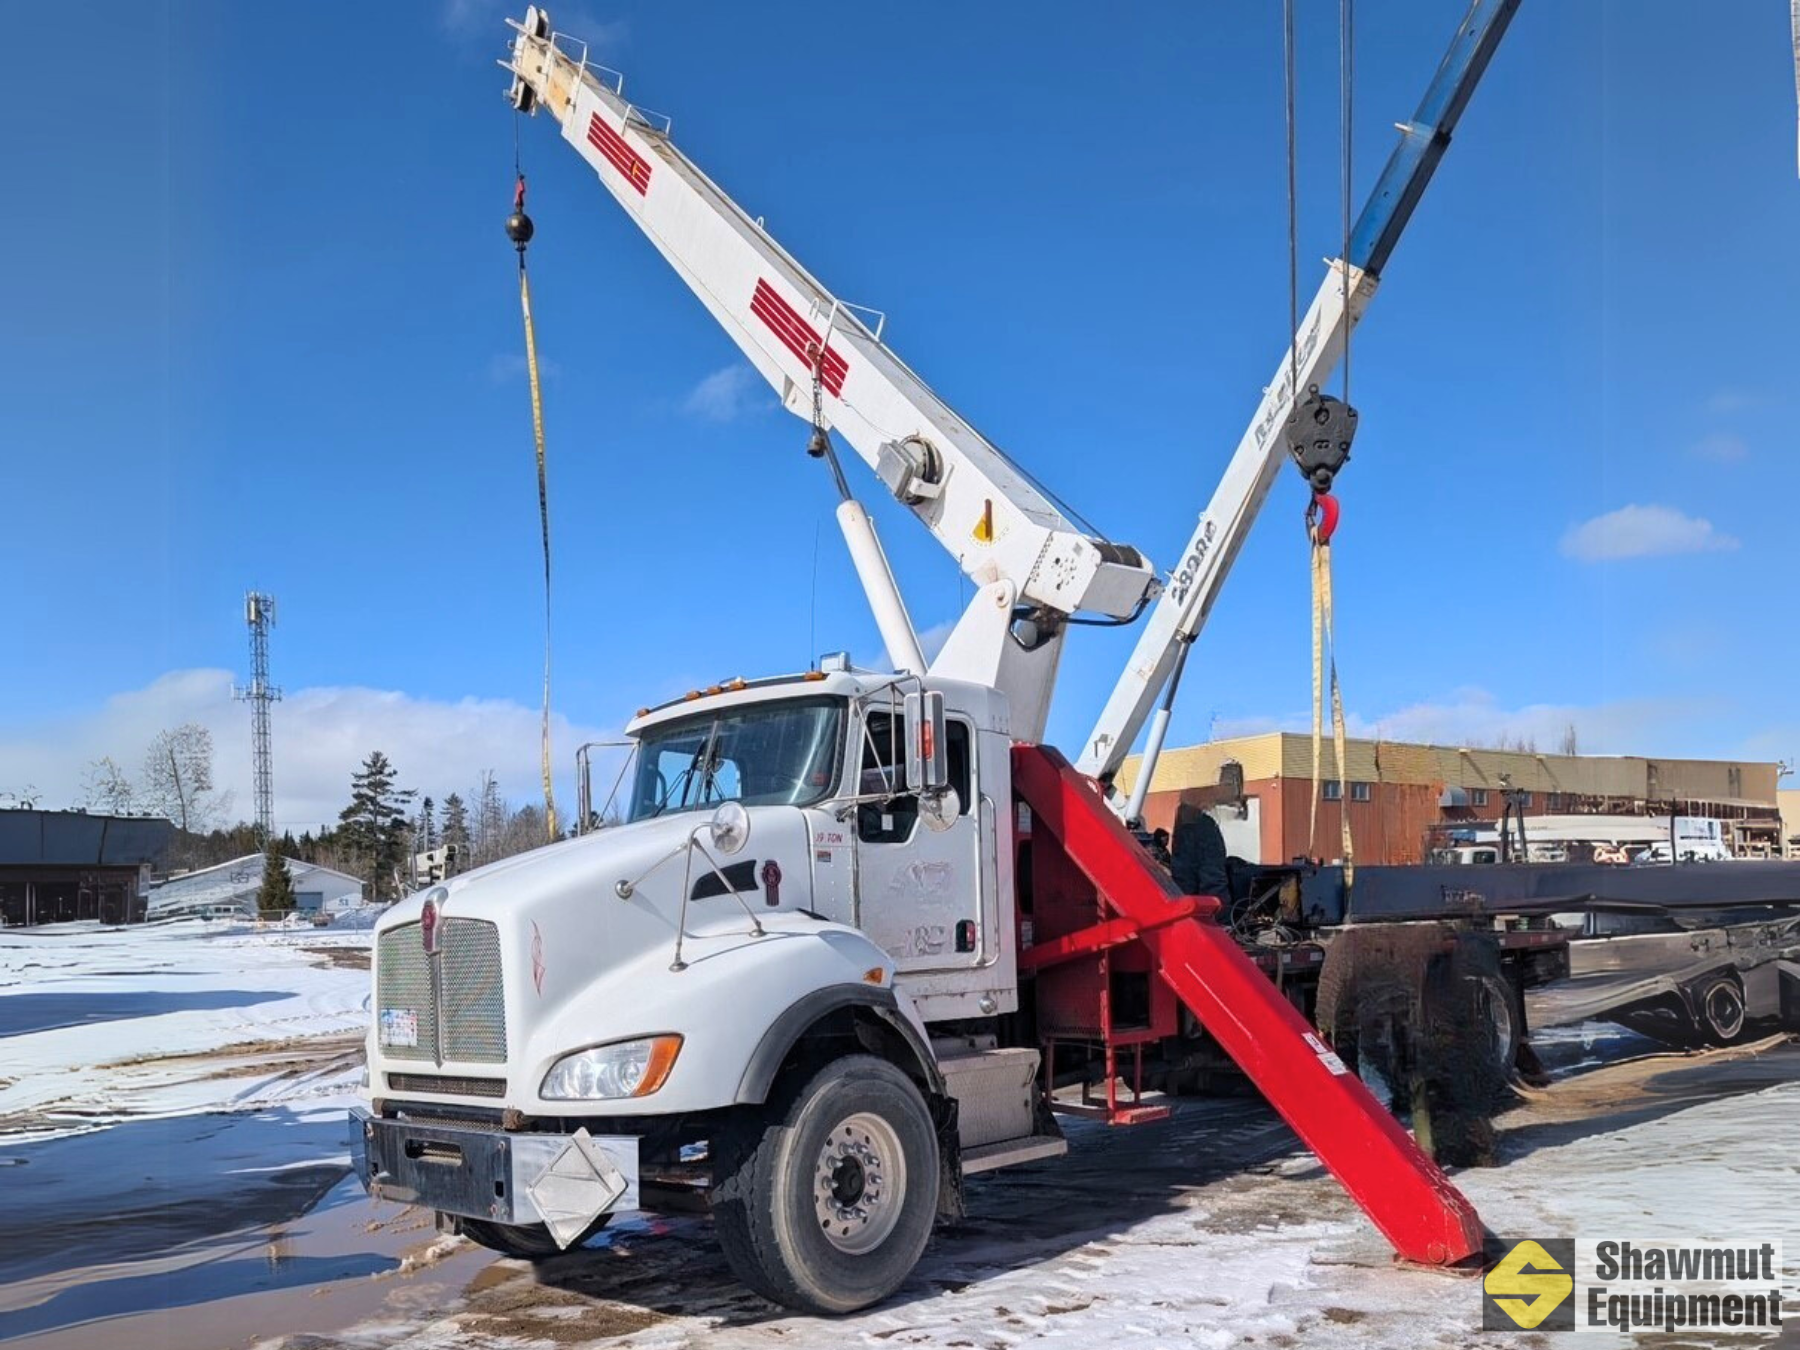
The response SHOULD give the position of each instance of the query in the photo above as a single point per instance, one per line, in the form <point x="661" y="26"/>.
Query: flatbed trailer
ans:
<point x="1692" y="953"/>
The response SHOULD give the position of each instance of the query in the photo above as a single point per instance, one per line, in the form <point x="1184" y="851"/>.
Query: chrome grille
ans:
<point x="470" y="999"/>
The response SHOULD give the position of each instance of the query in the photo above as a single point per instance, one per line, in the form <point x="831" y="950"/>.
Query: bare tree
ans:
<point x="491" y="815"/>
<point x="107" y="788"/>
<point x="524" y="831"/>
<point x="177" y="779"/>
<point x="1571" y="744"/>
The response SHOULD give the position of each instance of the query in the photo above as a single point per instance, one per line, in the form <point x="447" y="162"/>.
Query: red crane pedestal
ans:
<point x="1141" y="920"/>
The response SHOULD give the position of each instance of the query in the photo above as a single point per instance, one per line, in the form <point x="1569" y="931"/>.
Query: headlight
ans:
<point x="624" y="1069"/>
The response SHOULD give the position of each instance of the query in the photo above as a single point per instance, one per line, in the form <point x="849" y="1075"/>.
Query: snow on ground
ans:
<point x="99" y="1025"/>
<point x="171" y="1135"/>
<point x="1143" y="1239"/>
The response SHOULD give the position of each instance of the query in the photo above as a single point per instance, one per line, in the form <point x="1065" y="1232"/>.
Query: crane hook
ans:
<point x="519" y="228"/>
<point x="1322" y="517"/>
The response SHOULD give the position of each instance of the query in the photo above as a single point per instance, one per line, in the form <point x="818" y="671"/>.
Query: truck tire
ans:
<point x="1720" y="1005"/>
<point x="527" y="1242"/>
<point x="824" y="1198"/>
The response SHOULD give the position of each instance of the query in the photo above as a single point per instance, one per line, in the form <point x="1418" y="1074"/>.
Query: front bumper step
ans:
<point x="563" y="1181"/>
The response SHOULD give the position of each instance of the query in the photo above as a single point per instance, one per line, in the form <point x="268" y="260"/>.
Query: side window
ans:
<point x="960" y="755"/>
<point x="882" y="771"/>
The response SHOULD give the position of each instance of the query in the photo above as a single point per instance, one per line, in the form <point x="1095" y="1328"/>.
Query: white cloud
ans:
<point x="1642" y="532"/>
<point x="1722" y="446"/>
<point x="1725" y="402"/>
<point x="931" y="642"/>
<point x="505" y="367"/>
<point x="1474" y="717"/>
<point x="320" y="737"/>
<point x="473" y="19"/>
<point x="725" y="395"/>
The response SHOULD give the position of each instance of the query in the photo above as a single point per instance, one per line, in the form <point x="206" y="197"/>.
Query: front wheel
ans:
<point x="824" y="1198"/>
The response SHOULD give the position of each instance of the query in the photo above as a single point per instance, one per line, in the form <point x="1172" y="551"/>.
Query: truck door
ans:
<point x="923" y="894"/>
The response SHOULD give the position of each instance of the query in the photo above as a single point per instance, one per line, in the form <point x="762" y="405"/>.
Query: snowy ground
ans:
<point x="101" y="1026"/>
<point x="173" y="1160"/>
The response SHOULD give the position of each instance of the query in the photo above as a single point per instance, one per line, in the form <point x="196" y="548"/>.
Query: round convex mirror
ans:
<point x="939" y="810"/>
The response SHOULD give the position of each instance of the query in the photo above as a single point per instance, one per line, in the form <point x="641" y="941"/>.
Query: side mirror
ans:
<point x="927" y="763"/>
<point x="729" y="828"/>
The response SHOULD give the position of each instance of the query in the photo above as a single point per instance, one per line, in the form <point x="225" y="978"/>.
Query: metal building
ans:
<point x="228" y="890"/>
<point x="1398" y="794"/>
<point x="65" y="866"/>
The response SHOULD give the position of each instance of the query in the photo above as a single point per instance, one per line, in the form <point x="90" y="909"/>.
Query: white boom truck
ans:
<point x="813" y="978"/>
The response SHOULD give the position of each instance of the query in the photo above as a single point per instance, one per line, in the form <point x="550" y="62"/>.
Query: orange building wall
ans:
<point x="1389" y="828"/>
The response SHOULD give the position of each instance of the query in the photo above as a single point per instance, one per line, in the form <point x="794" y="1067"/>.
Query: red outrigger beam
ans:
<point x="1401" y="1190"/>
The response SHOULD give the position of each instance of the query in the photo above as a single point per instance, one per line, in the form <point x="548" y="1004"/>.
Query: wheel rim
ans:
<point x="859" y="1182"/>
<point x="1496" y="1011"/>
<point x="1725" y="1010"/>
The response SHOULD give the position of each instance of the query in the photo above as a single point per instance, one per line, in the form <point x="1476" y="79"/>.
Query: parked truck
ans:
<point x="855" y="928"/>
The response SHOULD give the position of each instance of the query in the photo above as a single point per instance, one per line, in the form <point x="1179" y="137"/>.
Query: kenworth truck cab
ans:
<point x="769" y="956"/>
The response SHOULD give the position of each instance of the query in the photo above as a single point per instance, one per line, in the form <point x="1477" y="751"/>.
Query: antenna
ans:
<point x="259" y="614"/>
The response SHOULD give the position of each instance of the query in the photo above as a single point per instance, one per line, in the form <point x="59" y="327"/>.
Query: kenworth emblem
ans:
<point x="428" y="925"/>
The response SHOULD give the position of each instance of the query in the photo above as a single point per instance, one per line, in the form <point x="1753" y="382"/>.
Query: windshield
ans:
<point x="770" y="754"/>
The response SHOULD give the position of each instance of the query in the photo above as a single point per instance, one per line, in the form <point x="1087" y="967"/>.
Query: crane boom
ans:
<point x="1318" y="344"/>
<point x="984" y="509"/>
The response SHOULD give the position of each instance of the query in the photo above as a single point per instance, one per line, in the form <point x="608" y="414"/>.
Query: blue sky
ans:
<point x="260" y="328"/>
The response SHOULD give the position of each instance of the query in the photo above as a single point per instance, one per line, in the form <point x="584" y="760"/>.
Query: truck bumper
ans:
<point x="564" y="1181"/>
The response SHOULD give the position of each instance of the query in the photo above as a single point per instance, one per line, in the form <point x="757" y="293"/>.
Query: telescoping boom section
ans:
<point x="1403" y="1192"/>
<point x="984" y="509"/>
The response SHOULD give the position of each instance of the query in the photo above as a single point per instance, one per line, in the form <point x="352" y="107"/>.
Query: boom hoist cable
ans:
<point x="519" y="229"/>
<point x="1319" y="431"/>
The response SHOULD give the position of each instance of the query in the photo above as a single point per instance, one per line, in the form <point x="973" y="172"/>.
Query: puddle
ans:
<point x="323" y="1272"/>
<point x="210" y="1233"/>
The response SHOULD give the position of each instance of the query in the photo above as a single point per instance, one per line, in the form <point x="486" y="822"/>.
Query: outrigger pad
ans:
<point x="1401" y="1190"/>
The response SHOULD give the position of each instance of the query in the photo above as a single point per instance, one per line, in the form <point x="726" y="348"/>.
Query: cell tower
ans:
<point x="259" y="613"/>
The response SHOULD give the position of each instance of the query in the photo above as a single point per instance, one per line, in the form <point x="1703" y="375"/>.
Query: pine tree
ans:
<point x="276" y="895"/>
<point x="426" y="830"/>
<point x="455" y="829"/>
<point x="375" y="827"/>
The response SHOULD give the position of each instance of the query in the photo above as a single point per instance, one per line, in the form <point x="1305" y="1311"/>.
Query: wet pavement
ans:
<point x="222" y="1231"/>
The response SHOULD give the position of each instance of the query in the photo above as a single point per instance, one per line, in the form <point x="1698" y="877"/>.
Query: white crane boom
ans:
<point x="984" y="509"/>
<point x="1316" y="347"/>
<point x="1224" y="525"/>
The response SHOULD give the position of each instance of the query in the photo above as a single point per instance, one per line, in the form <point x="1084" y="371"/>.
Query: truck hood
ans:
<point x="579" y="965"/>
<point x="561" y="918"/>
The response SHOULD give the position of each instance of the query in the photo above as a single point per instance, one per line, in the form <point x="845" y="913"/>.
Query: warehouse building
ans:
<point x="1403" y="800"/>
<point x="228" y="890"/>
<point x="1789" y="800"/>
<point x="66" y="866"/>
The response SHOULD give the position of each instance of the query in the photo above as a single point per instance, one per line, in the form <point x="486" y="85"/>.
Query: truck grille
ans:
<point x="449" y="1086"/>
<point x="467" y="1010"/>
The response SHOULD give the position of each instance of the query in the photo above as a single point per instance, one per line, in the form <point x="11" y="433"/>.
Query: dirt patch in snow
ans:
<point x="505" y="1301"/>
<point x="345" y="958"/>
<point x="298" y="1053"/>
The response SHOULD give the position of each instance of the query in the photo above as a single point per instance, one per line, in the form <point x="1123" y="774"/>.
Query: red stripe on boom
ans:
<point x="618" y="154"/>
<point x="798" y="336"/>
